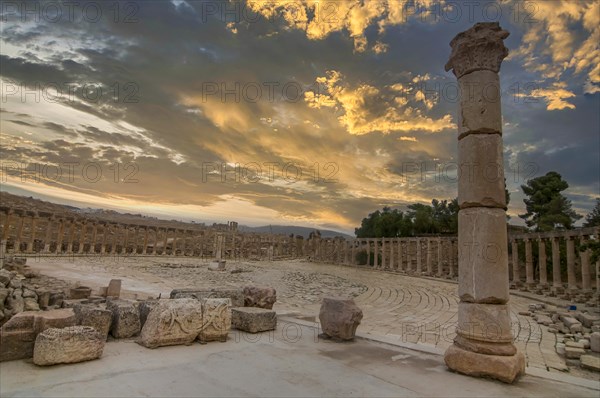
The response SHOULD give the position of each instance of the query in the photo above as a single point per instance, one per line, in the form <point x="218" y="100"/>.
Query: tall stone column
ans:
<point x="59" y="237"/>
<point x="400" y="264"/>
<point x="571" y="277"/>
<point x="383" y="256"/>
<point x="104" y="237"/>
<point x="34" y="220"/>
<point x="219" y="248"/>
<point x="514" y="249"/>
<point x="429" y="260"/>
<point x="418" y="254"/>
<point x="585" y="267"/>
<point x="393" y="251"/>
<point x="484" y="342"/>
<point x="155" y="242"/>
<point x="126" y="239"/>
<point x="115" y="239"/>
<point x="542" y="263"/>
<point x="19" y="233"/>
<point x="451" y="259"/>
<point x="440" y="256"/>
<point x="92" y="249"/>
<point x="557" y="286"/>
<point x="145" y="249"/>
<point x="368" y="241"/>
<point x="48" y="236"/>
<point x="166" y="240"/>
<point x="529" y="263"/>
<point x="4" y="238"/>
<point x="82" y="237"/>
<point x="375" y="253"/>
<point x="71" y="236"/>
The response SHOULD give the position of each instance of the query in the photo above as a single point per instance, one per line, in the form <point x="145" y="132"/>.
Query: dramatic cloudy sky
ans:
<point x="343" y="105"/>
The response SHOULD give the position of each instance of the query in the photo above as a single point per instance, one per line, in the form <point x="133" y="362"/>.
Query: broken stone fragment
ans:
<point x="125" y="318"/>
<point x="172" y="322"/>
<point x="68" y="345"/>
<point x="235" y="295"/>
<point x="339" y="318"/>
<point x="216" y="319"/>
<point x="253" y="320"/>
<point x="98" y="318"/>
<point x="261" y="297"/>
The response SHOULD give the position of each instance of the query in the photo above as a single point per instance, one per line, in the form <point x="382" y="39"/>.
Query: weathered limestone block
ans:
<point x="573" y="352"/>
<point x="544" y="320"/>
<point x="125" y="318"/>
<point x="5" y="277"/>
<point x="17" y="336"/>
<point x="482" y="252"/>
<point x="587" y="319"/>
<point x="569" y="321"/>
<point x="506" y="368"/>
<point x="56" y="298"/>
<point x="216" y="319"/>
<point x="480" y="103"/>
<point x="96" y="317"/>
<point x="16" y="302"/>
<point x="172" y="322"/>
<point x="595" y="342"/>
<point x="218" y="265"/>
<point x="145" y="308"/>
<point x="484" y="322"/>
<point x="339" y="318"/>
<point x="81" y="292"/>
<point x="253" y="319"/>
<point x="481" y="172"/>
<point x="69" y="345"/>
<point x="114" y="288"/>
<point x="261" y="297"/>
<point x="591" y="362"/>
<point x="30" y="304"/>
<point x="235" y="295"/>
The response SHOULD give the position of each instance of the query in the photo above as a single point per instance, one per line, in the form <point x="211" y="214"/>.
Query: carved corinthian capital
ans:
<point x="479" y="48"/>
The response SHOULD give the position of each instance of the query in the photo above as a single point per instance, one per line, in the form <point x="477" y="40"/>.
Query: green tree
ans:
<point x="593" y="217"/>
<point x="547" y="208"/>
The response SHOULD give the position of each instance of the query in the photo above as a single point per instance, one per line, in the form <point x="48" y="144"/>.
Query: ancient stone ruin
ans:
<point x="484" y="342"/>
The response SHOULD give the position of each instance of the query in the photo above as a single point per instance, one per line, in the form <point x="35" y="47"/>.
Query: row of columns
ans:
<point x="429" y="256"/>
<point x="564" y="249"/>
<point x="41" y="232"/>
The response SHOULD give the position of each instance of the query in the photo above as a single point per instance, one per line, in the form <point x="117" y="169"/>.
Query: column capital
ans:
<point x="479" y="48"/>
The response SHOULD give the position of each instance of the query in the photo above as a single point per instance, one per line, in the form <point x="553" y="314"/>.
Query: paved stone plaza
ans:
<point x="399" y="308"/>
<point x="268" y="364"/>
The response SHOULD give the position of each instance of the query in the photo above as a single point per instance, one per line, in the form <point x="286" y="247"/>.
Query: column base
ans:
<point x="504" y="368"/>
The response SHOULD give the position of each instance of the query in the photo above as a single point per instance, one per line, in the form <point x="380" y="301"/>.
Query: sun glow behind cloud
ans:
<point x="367" y="109"/>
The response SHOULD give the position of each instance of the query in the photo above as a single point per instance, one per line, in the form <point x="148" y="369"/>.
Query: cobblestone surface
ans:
<point x="406" y="308"/>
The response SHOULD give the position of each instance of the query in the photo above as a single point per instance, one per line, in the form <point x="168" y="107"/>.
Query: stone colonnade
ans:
<point x="552" y="264"/>
<point x="28" y="232"/>
<point x="430" y="256"/>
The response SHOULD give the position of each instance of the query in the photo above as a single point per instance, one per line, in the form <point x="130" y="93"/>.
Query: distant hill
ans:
<point x="292" y="229"/>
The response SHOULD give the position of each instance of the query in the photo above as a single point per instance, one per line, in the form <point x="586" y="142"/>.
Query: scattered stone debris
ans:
<point x="578" y="333"/>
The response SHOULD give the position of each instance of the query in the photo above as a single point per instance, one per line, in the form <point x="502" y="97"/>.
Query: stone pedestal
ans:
<point x="484" y="345"/>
